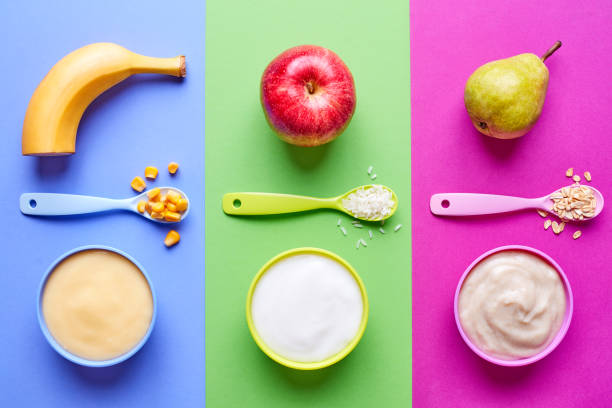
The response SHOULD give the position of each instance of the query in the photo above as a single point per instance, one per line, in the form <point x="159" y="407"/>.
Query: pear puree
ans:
<point x="97" y="304"/>
<point x="512" y="304"/>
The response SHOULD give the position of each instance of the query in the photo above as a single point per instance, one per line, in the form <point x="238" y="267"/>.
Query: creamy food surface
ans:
<point x="512" y="304"/>
<point x="97" y="304"/>
<point x="307" y="308"/>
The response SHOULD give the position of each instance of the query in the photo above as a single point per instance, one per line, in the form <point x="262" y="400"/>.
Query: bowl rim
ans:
<point x="567" y="318"/>
<point x="330" y="360"/>
<point x="73" y="357"/>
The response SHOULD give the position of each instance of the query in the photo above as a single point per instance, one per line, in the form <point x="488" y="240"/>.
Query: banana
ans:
<point x="55" y="109"/>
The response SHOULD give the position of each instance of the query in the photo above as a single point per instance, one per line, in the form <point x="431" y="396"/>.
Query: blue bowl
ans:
<point x="72" y="357"/>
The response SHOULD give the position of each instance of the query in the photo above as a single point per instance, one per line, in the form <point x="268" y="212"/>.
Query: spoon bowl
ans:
<point x="344" y="196"/>
<point x="548" y="203"/>
<point x="133" y="204"/>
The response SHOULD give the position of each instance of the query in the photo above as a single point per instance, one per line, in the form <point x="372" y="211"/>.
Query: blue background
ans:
<point x="146" y="120"/>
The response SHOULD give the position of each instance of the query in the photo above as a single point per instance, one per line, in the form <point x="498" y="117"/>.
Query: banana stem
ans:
<point x="169" y="66"/>
<point x="551" y="51"/>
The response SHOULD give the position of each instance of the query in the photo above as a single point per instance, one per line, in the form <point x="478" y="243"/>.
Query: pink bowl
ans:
<point x="564" y="325"/>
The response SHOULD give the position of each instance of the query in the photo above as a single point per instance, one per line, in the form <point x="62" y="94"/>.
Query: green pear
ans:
<point x="504" y="98"/>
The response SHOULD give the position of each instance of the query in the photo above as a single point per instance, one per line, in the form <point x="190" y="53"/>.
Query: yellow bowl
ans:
<point x="328" y="361"/>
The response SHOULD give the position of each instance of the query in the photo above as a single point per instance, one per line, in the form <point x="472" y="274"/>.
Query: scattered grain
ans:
<point x="555" y="227"/>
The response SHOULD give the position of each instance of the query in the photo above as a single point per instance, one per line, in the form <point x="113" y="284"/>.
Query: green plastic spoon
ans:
<point x="270" y="203"/>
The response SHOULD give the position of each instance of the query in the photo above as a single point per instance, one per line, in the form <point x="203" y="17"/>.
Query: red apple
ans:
<point x="308" y="95"/>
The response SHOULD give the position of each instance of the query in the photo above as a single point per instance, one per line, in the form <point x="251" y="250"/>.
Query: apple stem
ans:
<point x="551" y="51"/>
<point x="310" y="87"/>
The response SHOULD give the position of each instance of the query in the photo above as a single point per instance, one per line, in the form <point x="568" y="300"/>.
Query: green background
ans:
<point x="243" y="154"/>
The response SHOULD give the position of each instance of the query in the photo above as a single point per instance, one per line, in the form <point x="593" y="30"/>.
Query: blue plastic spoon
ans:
<point x="48" y="204"/>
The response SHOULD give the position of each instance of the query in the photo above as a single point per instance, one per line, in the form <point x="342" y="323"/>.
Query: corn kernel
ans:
<point x="181" y="205"/>
<point x="153" y="193"/>
<point x="173" y="167"/>
<point x="173" y="196"/>
<point x="172" y="216"/>
<point x="138" y="184"/>
<point x="172" y="238"/>
<point x="148" y="207"/>
<point x="163" y="198"/>
<point x="158" y="207"/>
<point x="157" y="215"/>
<point x="170" y="207"/>
<point x="151" y="172"/>
<point x="141" y="206"/>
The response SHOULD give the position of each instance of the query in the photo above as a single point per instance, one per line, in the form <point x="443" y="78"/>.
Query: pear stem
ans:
<point x="551" y="51"/>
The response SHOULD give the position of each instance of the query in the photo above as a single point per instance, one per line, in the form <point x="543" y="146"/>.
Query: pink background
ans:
<point x="449" y="41"/>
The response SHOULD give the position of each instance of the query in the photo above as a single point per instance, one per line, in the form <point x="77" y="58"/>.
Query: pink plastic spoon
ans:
<point x="460" y="204"/>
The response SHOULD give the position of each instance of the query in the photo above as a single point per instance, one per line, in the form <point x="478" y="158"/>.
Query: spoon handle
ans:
<point x="66" y="204"/>
<point x="458" y="204"/>
<point x="269" y="203"/>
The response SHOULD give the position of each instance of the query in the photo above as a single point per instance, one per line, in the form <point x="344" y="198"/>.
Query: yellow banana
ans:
<point x="56" y="107"/>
